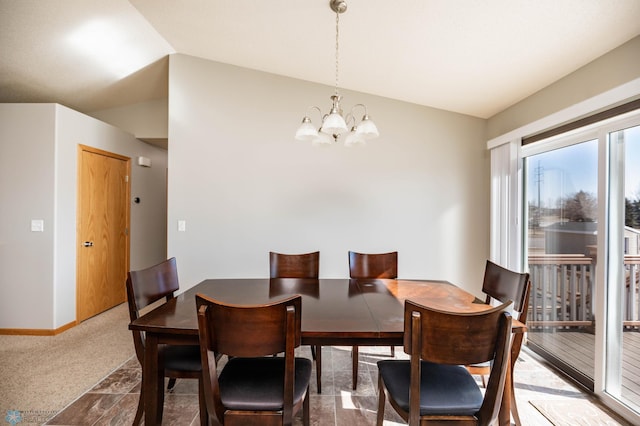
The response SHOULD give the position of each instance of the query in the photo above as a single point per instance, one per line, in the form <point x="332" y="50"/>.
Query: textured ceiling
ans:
<point x="472" y="57"/>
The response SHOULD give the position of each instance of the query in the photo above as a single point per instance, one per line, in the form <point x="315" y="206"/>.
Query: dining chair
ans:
<point x="148" y="287"/>
<point x="370" y="265"/>
<point x="433" y="386"/>
<point x="306" y="265"/>
<point x="253" y="388"/>
<point x="502" y="284"/>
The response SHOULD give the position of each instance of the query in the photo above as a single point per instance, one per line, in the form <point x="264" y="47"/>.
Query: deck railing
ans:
<point x="632" y="296"/>
<point x="562" y="291"/>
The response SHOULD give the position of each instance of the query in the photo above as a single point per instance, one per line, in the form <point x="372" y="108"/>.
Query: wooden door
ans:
<point x="103" y="231"/>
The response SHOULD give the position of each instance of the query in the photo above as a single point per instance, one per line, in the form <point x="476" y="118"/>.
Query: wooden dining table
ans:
<point x="342" y="312"/>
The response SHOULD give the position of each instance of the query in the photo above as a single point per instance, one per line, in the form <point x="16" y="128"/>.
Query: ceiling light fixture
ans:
<point x="334" y="123"/>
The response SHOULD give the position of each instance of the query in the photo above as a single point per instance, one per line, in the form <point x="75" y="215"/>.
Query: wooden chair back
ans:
<point x="503" y="284"/>
<point x="305" y="265"/>
<point x="459" y="339"/>
<point x="147" y="286"/>
<point x="248" y="331"/>
<point x="369" y="265"/>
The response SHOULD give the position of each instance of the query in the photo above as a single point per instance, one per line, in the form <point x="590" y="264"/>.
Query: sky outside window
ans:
<point x="558" y="174"/>
<point x="563" y="172"/>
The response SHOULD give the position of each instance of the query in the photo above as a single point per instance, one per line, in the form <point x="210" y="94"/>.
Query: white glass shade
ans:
<point x="367" y="128"/>
<point x="354" y="139"/>
<point x="334" y="124"/>
<point x="322" y="139"/>
<point x="306" y="132"/>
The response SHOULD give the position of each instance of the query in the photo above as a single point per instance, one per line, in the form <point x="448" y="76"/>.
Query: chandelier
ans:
<point x="335" y="123"/>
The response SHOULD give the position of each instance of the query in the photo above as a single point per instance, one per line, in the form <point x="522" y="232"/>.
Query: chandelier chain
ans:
<point x="337" y="48"/>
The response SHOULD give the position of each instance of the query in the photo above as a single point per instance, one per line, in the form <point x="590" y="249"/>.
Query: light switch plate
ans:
<point x="182" y="225"/>
<point x="37" y="225"/>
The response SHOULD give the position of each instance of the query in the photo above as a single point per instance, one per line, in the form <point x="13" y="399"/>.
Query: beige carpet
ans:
<point x="575" y="412"/>
<point x="40" y="375"/>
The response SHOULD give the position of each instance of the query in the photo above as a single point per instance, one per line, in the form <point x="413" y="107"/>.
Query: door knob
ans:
<point x="88" y="244"/>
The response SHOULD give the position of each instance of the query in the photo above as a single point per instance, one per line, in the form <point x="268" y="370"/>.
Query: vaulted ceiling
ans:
<point x="474" y="57"/>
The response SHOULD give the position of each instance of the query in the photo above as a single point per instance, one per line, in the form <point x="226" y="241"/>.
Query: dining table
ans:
<point x="335" y="311"/>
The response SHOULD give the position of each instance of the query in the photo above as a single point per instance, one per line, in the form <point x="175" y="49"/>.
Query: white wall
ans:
<point x="144" y="120"/>
<point x="608" y="72"/>
<point x="245" y="186"/>
<point x="27" y="143"/>
<point x="38" y="159"/>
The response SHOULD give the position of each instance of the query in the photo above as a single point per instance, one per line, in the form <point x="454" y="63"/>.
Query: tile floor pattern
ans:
<point x="113" y="401"/>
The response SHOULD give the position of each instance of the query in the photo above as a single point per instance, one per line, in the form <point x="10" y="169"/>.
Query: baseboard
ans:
<point x="35" y="331"/>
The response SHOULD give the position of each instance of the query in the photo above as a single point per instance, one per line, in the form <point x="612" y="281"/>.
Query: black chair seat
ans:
<point x="256" y="384"/>
<point x="445" y="389"/>
<point x="181" y="357"/>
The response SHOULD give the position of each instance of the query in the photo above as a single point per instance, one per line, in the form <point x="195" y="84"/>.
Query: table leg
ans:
<point x="354" y="366"/>
<point x="152" y="384"/>
<point x="319" y="367"/>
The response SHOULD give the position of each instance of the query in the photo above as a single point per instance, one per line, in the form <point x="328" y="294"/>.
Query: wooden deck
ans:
<point x="577" y="350"/>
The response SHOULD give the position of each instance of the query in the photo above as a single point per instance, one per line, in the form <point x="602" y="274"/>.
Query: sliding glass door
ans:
<point x="562" y="209"/>
<point x="622" y="348"/>
<point x="581" y="207"/>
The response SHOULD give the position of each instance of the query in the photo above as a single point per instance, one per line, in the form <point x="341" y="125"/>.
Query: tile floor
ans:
<point x="113" y="401"/>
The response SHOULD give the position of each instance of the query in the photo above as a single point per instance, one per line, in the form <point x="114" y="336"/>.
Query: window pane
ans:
<point x="561" y="198"/>
<point x="623" y="310"/>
